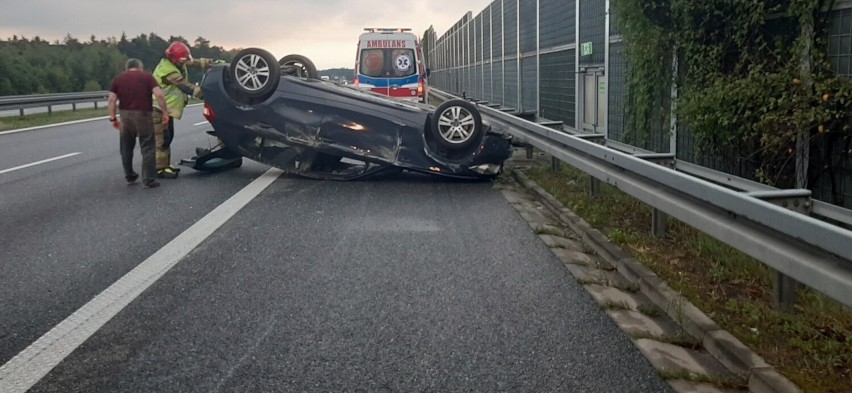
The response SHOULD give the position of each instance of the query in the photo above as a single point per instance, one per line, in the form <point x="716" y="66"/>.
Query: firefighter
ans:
<point x="172" y="76"/>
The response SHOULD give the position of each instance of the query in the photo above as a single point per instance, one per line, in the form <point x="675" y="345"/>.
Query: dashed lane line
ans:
<point x="38" y="162"/>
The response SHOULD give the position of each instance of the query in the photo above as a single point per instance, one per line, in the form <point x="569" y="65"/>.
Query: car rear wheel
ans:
<point x="456" y="125"/>
<point x="255" y="72"/>
<point x="298" y="65"/>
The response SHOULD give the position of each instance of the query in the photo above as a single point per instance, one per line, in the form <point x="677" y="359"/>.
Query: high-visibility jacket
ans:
<point x="176" y="100"/>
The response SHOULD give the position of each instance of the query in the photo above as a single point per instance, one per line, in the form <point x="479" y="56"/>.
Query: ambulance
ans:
<point x="390" y="61"/>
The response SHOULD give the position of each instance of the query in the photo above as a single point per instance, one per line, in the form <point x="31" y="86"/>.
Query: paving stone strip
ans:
<point x="688" y="349"/>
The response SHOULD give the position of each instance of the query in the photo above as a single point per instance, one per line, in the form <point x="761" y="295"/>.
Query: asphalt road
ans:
<point x="404" y="283"/>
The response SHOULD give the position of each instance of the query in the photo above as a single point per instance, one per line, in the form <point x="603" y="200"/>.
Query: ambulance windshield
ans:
<point x="388" y="62"/>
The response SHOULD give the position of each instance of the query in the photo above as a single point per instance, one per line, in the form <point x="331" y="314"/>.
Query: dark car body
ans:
<point x="320" y="129"/>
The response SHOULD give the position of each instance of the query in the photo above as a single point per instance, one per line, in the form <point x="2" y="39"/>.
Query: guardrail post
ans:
<point x="783" y="286"/>
<point x="555" y="164"/>
<point x="659" y="220"/>
<point x="658" y="223"/>
<point x="783" y="292"/>
<point x="594" y="183"/>
<point x="22" y="112"/>
<point x="49" y="110"/>
<point x="594" y="186"/>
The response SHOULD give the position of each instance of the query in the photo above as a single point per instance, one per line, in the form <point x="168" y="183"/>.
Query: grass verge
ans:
<point x="40" y="119"/>
<point x="812" y="347"/>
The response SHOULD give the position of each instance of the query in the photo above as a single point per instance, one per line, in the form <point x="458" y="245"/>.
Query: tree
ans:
<point x="202" y="43"/>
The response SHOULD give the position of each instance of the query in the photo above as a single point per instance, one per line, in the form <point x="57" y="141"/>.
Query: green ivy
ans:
<point x="751" y="77"/>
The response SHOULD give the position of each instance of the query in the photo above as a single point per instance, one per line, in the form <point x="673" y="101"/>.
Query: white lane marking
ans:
<point x="33" y="363"/>
<point x="66" y="123"/>
<point x="39" y="162"/>
<point x="200" y="123"/>
<point x="53" y="125"/>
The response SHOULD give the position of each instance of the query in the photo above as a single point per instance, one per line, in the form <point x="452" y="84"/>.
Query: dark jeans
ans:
<point x="137" y="124"/>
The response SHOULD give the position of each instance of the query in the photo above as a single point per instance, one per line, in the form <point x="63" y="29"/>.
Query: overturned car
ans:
<point x="282" y="114"/>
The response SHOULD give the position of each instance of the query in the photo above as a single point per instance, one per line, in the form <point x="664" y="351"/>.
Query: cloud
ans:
<point x="326" y="31"/>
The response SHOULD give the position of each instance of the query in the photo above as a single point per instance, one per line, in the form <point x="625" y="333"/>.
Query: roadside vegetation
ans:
<point x="812" y="346"/>
<point x="39" y="119"/>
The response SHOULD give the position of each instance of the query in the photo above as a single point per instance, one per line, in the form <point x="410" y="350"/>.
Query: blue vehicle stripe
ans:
<point x="386" y="82"/>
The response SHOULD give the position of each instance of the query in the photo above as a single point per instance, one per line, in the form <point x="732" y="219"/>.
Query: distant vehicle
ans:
<point x="280" y="113"/>
<point x="324" y="77"/>
<point x="389" y="61"/>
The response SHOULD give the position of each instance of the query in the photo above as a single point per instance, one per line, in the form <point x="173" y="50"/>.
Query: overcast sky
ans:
<point x="326" y="31"/>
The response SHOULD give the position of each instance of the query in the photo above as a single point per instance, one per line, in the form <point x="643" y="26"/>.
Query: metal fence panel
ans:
<point x="498" y="83"/>
<point x="731" y="163"/>
<point x="486" y="33"/>
<point x="478" y="91"/>
<point x="557" y="22"/>
<point x="528" y="28"/>
<point x="488" y="82"/>
<point x="510" y="27"/>
<point x="592" y="30"/>
<point x="497" y="29"/>
<point x="659" y="138"/>
<point x="558" y="92"/>
<point x="466" y="61"/>
<point x="840" y="57"/>
<point x="617" y="96"/>
<point x="840" y="41"/>
<point x="529" y="84"/>
<point x="476" y="38"/>
<point x="510" y="88"/>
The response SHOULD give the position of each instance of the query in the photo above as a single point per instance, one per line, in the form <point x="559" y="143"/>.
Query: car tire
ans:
<point x="255" y="73"/>
<point x="300" y="66"/>
<point x="456" y="125"/>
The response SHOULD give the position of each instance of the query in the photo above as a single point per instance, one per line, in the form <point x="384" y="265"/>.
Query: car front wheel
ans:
<point x="456" y="125"/>
<point x="255" y="72"/>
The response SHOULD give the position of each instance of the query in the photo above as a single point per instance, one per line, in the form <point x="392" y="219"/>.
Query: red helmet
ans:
<point x="178" y="52"/>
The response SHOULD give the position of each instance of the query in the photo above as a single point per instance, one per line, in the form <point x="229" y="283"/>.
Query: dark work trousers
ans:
<point x="137" y="124"/>
<point x="169" y="135"/>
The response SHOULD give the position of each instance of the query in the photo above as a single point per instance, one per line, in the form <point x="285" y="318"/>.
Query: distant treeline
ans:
<point x="34" y="66"/>
<point x="337" y="74"/>
<point x="31" y="66"/>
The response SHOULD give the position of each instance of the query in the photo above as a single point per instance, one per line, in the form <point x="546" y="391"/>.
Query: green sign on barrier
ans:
<point x="586" y="49"/>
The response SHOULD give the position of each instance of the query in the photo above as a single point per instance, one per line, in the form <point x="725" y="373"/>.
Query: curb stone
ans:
<point x="724" y="347"/>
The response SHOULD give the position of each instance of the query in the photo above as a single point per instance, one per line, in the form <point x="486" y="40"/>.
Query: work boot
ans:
<point x="174" y="169"/>
<point x="167" y="173"/>
<point x="131" y="180"/>
<point x="152" y="184"/>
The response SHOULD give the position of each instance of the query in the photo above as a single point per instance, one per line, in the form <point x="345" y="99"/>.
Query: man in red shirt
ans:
<point x="132" y="89"/>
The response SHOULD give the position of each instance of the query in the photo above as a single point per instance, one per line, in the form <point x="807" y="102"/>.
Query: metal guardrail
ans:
<point x="818" y="208"/>
<point x="813" y="252"/>
<point x="20" y="103"/>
